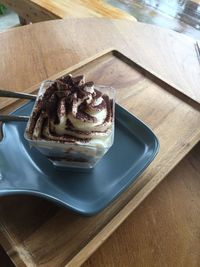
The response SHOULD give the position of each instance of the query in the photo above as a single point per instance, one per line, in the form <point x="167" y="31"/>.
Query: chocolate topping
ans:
<point x="85" y="117"/>
<point x="74" y="102"/>
<point x="107" y="101"/>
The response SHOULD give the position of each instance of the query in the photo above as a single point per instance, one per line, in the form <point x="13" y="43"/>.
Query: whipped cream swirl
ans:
<point x="72" y="110"/>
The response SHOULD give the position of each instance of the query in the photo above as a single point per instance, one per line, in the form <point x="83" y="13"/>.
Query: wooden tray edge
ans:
<point x="173" y="89"/>
<point x="93" y="245"/>
<point x="123" y="214"/>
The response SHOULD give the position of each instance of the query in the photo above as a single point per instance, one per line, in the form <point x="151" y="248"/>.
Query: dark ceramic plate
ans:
<point x="23" y="170"/>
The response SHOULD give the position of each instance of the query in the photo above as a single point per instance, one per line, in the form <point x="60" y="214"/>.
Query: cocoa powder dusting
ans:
<point x="59" y="99"/>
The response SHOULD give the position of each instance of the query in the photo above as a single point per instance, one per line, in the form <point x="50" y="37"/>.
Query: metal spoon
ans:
<point x="5" y="93"/>
<point x="5" y="118"/>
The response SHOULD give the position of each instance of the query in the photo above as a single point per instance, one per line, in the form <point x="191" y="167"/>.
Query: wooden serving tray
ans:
<point x="44" y="234"/>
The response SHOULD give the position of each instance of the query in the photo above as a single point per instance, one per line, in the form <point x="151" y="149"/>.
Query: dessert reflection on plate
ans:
<point x="72" y="121"/>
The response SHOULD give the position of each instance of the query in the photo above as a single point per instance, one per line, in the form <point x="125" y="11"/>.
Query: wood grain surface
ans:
<point x="41" y="10"/>
<point x="42" y="50"/>
<point x="164" y="229"/>
<point x="45" y="50"/>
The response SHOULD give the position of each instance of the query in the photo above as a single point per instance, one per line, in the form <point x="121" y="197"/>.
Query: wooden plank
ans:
<point x="82" y="8"/>
<point x="175" y="121"/>
<point x="162" y="230"/>
<point x="40" y="10"/>
<point x="29" y="11"/>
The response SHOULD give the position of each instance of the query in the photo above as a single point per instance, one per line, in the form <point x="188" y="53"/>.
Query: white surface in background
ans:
<point x="8" y="20"/>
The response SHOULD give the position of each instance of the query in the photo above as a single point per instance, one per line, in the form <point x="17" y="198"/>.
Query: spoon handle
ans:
<point x="5" y="118"/>
<point x="5" y="93"/>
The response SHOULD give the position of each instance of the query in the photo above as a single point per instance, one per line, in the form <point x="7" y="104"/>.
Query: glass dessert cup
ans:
<point x="69" y="154"/>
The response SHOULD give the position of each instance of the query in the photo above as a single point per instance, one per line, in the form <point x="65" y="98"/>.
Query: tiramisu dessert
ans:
<point x="72" y="122"/>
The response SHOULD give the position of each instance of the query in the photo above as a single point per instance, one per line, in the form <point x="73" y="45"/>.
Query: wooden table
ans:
<point x="41" y="10"/>
<point x="163" y="230"/>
